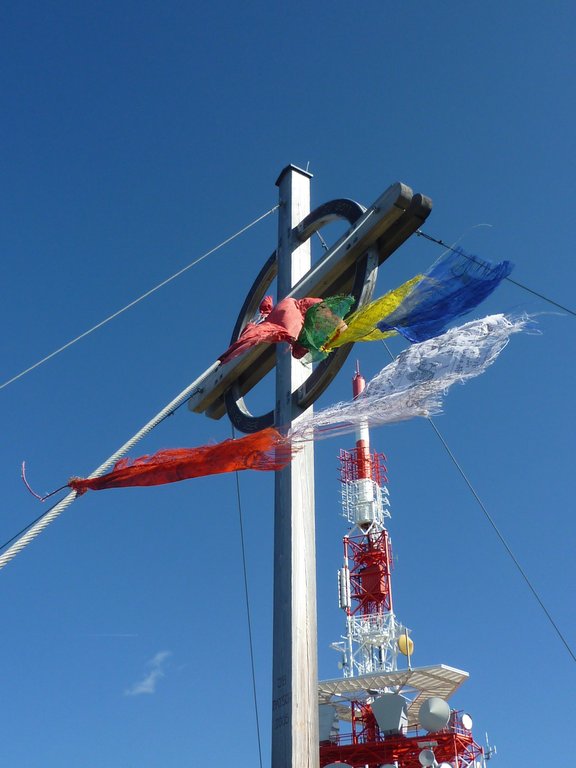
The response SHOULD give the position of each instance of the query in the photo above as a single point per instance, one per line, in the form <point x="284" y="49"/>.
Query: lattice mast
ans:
<point x="364" y="582"/>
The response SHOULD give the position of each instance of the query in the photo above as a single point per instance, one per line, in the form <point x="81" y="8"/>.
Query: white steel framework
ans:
<point x="370" y="644"/>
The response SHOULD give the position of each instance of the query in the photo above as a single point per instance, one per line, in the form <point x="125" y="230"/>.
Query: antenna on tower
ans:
<point x="490" y="751"/>
<point x="391" y="717"/>
<point x="373" y="636"/>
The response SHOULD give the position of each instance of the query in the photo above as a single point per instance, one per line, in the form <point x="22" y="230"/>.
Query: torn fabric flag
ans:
<point x="453" y="286"/>
<point x="362" y="323"/>
<point x="323" y="321"/>
<point x="281" y="323"/>
<point x="414" y="383"/>
<point x="264" y="450"/>
<point x="424" y="306"/>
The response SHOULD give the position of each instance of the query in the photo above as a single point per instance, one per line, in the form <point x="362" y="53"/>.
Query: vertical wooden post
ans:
<point x="295" y="664"/>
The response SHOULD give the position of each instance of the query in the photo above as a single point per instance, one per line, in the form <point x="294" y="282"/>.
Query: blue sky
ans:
<point x="136" y="136"/>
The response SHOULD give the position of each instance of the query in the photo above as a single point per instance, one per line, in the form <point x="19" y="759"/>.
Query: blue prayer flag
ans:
<point x="453" y="286"/>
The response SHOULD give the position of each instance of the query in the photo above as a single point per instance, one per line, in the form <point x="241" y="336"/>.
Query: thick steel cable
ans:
<point x="26" y="527"/>
<point x="139" y="299"/>
<point x="58" y="508"/>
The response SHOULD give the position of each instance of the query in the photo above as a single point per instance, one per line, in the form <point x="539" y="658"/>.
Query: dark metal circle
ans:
<point x="362" y="289"/>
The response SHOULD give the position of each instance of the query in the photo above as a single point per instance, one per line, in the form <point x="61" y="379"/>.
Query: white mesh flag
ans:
<point x="413" y="384"/>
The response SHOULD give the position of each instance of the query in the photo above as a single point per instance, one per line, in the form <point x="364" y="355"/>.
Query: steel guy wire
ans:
<point x="438" y="241"/>
<point x="26" y="527"/>
<point x="58" y="508"/>
<point x="248" y="613"/>
<point x="503" y="540"/>
<point x="139" y="299"/>
<point x="496" y="529"/>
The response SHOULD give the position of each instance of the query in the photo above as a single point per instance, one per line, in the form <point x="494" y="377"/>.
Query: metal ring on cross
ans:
<point x="361" y="285"/>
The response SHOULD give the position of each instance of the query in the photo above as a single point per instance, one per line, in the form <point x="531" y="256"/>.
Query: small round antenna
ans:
<point x="340" y="765"/>
<point x="427" y="758"/>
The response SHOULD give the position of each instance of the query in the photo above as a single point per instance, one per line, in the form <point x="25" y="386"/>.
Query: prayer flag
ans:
<point x="425" y="306"/>
<point x="453" y="286"/>
<point x="264" y="450"/>
<point x="414" y="383"/>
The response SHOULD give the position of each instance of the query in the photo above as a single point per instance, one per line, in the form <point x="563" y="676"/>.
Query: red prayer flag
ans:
<point x="283" y="323"/>
<point x="264" y="450"/>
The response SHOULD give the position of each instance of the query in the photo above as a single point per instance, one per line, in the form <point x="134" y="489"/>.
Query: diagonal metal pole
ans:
<point x="295" y="662"/>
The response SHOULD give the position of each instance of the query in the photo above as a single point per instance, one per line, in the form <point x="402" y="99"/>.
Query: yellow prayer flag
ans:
<point x="362" y="323"/>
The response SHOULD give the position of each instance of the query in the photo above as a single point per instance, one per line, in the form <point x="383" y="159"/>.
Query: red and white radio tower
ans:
<point x="378" y="715"/>
<point x="372" y="636"/>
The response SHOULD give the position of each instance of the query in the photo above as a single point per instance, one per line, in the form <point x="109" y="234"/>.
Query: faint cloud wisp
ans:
<point x="148" y="684"/>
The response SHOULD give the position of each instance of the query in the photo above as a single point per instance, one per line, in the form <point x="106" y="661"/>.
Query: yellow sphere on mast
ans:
<point x="406" y="645"/>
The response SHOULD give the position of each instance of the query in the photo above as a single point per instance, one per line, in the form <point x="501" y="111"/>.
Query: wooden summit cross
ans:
<point x="349" y="266"/>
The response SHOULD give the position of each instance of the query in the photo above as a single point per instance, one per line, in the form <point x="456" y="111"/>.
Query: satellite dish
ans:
<point x="445" y="765"/>
<point x="406" y="645"/>
<point x="427" y="758"/>
<point x="434" y="714"/>
<point x="466" y="721"/>
<point x="338" y="765"/>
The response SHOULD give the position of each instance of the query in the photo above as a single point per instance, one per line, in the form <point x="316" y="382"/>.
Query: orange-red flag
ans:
<point x="264" y="450"/>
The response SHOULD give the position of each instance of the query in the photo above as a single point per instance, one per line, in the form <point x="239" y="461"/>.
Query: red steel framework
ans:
<point x="369" y="748"/>
<point x="370" y="557"/>
<point x="358" y="464"/>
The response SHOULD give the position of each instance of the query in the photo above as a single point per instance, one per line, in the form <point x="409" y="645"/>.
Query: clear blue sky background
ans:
<point x="135" y="136"/>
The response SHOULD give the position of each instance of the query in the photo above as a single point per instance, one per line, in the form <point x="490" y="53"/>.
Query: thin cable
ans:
<point x="541" y="296"/>
<point x="495" y="527"/>
<point x="139" y="299"/>
<point x="509" y="279"/>
<point x="58" y="508"/>
<point x="63" y="487"/>
<point x="324" y="243"/>
<point x="248" y="615"/>
<point x="503" y="541"/>
<point x="26" y="527"/>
